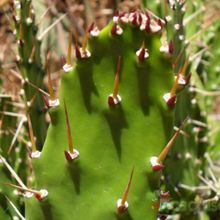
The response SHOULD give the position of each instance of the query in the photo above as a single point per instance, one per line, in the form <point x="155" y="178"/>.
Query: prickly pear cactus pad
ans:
<point x="114" y="118"/>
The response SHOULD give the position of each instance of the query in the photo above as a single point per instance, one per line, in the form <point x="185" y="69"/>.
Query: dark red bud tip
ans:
<point x="163" y="217"/>
<point x="158" y="167"/>
<point x="114" y="101"/>
<point x="114" y="29"/>
<point x="134" y="20"/>
<point x="21" y="42"/>
<point x="159" y="22"/>
<point x="111" y="101"/>
<point x="38" y="196"/>
<point x="147" y="15"/>
<point x="46" y="101"/>
<point x="171" y="102"/>
<point x="171" y="47"/>
<point x="147" y="26"/>
<point x="141" y="56"/>
<point x="62" y="60"/>
<point x="140" y="19"/>
<point x="165" y="195"/>
<point x="122" y="208"/>
<point x="116" y="13"/>
<point x="91" y="27"/>
<point x="29" y="154"/>
<point x="165" y="20"/>
<point x="187" y="78"/>
<point x="122" y="14"/>
<point x="68" y="156"/>
<point x="78" y="54"/>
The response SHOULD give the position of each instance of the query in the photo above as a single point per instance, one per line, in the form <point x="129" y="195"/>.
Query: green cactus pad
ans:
<point x="111" y="140"/>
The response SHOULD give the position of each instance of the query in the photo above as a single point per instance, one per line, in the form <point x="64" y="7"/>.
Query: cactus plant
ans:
<point x="17" y="159"/>
<point x="110" y="148"/>
<point x="186" y="186"/>
<point x="116" y="127"/>
<point x="30" y="65"/>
